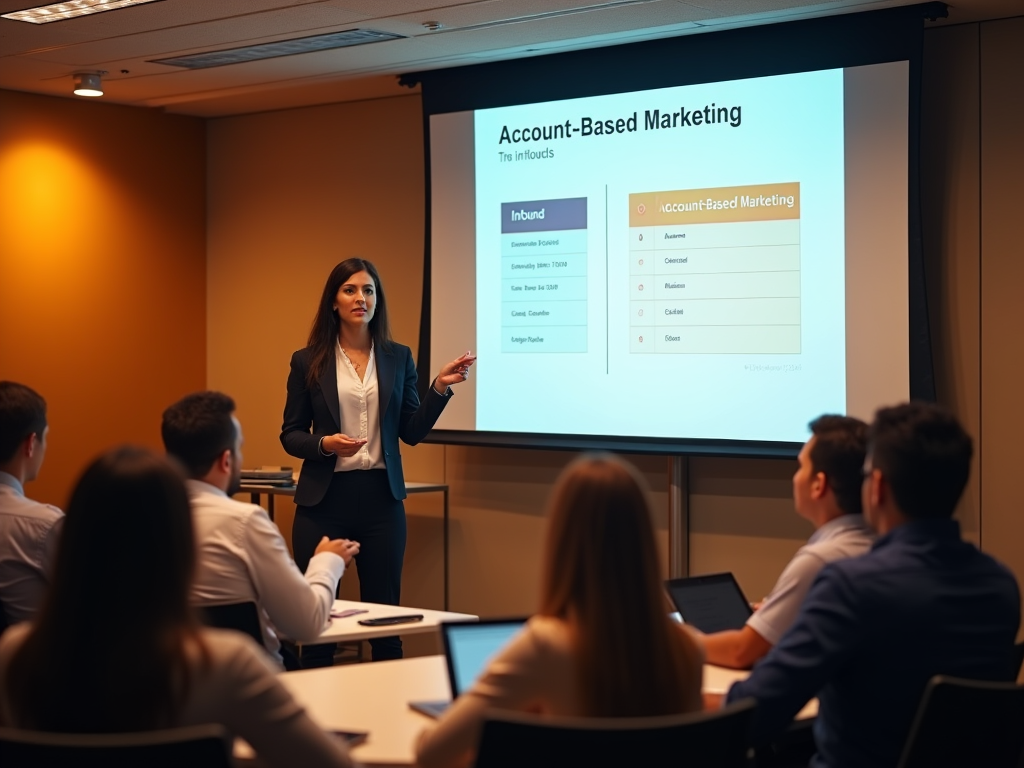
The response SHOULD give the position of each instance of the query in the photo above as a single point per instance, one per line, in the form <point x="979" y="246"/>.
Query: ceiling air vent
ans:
<point x="278" y="48"/>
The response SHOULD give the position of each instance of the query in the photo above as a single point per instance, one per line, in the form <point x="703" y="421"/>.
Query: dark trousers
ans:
<point x="359" y="506"/>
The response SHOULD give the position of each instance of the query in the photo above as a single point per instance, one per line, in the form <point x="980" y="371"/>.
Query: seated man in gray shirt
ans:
<point x="28" y="530"/>
<point x="826" y="492"/>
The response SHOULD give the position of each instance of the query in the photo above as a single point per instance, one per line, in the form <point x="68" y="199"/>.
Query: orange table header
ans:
<point x="758" y="202"/>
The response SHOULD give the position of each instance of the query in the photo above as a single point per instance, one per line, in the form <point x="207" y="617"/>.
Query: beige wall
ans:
<point x="291" y="193"/>
<point x="973" y="162"/>
<point x="102" y="271"/>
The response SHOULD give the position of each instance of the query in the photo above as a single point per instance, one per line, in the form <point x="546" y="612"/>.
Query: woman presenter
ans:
<point x="351" y="396"/>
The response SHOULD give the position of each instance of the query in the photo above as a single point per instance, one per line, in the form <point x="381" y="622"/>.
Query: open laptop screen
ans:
<point x="710" y="603"/>
<point x="470" y="646"/>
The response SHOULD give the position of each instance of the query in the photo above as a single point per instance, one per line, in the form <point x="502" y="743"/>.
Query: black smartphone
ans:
<point x="387" y="620"/>
<point x="352" y="738"/>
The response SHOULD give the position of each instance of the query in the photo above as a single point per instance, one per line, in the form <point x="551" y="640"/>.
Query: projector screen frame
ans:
<point x="831" y="42"/>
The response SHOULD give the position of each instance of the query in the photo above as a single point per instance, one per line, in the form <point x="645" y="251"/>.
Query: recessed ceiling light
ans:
<point x="278" y="48"/>
<point x="44" y="14"/>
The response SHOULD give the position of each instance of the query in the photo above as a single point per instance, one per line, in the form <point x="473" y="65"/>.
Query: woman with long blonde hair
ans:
<point x="602" y="643"/>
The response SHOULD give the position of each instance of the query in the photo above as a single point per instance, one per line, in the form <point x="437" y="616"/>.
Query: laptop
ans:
<point x="468" y="647"/>
<point x="710" y="603"/>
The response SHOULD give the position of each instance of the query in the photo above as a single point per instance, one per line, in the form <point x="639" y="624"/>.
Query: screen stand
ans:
<point x="678" y="517"/>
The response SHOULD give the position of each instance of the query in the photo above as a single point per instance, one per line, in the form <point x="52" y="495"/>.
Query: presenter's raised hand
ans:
<point x="455" y="372"/>
<point x="342" y="445"/>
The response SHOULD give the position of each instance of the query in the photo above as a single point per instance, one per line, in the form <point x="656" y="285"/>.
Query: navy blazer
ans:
<point x="313" y="413"/>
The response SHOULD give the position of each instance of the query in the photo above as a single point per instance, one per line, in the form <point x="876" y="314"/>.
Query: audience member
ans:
<point x="826" y="492"/>
<point x="139" y="660"/>
<point x="241" y="553"/>
<point x="874" y="629"/>
<point x="602" y="644"/>
<point x="29" y="531"/>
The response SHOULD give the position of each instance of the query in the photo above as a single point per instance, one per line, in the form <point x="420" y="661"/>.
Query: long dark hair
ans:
<point x="326" y="325"/>
<point x="120" y="595"/>
<point x="601" y="577"/>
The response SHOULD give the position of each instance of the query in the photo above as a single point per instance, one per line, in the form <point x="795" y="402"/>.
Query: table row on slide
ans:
<point x="730" y="234"/>
<point x="753" y="258"/>
<point x="727" y="285"/>
<point x="716" y="340"/>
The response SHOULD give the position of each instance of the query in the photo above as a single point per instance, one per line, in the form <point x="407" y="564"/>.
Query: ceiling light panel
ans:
<point x="46" y="14"/>
<point x="247" y="29"/>
<point x="278" y="48"/>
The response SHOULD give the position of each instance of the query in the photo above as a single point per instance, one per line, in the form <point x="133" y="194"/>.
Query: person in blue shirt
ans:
<point x="874" y="629"/>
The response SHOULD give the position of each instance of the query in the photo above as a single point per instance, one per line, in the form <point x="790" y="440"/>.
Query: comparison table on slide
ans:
<point x="715" y="270"/>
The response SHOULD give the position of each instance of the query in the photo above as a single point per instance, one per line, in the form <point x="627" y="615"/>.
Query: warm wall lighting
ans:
<point x="44" y="14"/>
<point x="88" y="84"/>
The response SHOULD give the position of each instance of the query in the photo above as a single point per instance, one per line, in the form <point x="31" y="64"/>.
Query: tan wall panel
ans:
<point x="1002" y="280"/>
<point x="102" y="270"/>
<point x="742" y="520"/>
<point x="950" y="184"/>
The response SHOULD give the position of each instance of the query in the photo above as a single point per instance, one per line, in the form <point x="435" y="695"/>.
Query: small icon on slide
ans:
<point x="640" y="287"/>
<point x="641" y="236"/>
<point x="640" y="312"/>
<point x="641" y="209"/>
<point x="641" y="339"/>
<point x="641" y="262"/>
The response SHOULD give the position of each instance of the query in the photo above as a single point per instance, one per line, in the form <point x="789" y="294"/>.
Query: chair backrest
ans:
<point x="241" y="617"/>
<point x="203" y="746"/>
<point x="706" y="739"/>
<point x="965" y="723"/>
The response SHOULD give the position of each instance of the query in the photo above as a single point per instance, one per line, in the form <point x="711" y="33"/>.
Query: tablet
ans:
<point x="710" y="603"/>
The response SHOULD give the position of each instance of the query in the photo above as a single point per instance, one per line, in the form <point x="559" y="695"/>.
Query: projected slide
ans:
<point x="666" y="263"/>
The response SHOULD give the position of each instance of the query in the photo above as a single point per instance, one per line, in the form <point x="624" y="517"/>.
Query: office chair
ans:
<point x="202" y="746"/>
<point x="1018" y="659"/>
<point x="966" y="723"/>
<point x="241" y="617"/>
<point x="708" y="739"/>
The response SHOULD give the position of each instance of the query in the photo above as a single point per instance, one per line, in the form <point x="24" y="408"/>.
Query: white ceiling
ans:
<point x="42" y="58"/>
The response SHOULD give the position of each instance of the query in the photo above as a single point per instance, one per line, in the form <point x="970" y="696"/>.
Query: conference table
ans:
<point x="347" y="629"/>
<point x="375" y="698"/>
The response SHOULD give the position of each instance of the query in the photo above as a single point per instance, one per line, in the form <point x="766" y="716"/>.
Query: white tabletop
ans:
<point x="349" y="629"/>
<point x="375" y="698"/>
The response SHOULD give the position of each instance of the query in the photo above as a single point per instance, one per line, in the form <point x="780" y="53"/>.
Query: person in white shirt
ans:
<point x="241" y="554"/>
<point x="826" y="492"/>
<point x="29" y="531"/>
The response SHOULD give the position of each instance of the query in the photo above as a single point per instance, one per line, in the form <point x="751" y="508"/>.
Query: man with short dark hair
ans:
<point x="29" y="531"/>
<point x="826" y="492"/>
<point x="874" y="629"/>
<point x="241" y="554"/>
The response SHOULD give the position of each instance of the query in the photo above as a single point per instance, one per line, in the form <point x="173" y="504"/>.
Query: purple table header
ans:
<point x="544" y="215"/>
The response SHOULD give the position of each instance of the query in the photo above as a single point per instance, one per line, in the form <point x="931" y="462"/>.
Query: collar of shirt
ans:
<point x="921" y="531"/>
<point x="12" y="482"/>
<point x="343" y="359"/>
<point x="198" y="486"/>
<point x="836" y="526"/>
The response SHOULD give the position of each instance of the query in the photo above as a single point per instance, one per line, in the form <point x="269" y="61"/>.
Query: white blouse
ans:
<point x="359" y="406"/>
